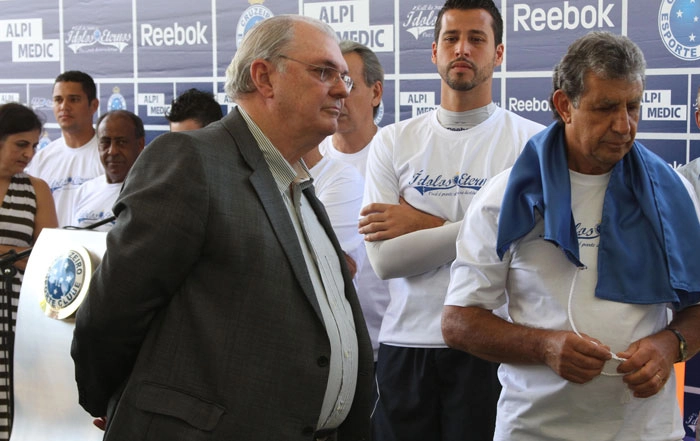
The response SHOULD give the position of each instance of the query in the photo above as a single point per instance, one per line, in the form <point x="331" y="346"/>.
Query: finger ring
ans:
<point x="659" y="377"/>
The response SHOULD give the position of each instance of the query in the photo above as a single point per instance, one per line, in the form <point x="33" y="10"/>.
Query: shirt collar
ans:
<point x="283" y="172"/>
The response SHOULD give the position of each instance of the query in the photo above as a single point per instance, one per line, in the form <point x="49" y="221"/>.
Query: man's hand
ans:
<point x="387" y="221"/>
<point x="649" y="363"/>
<point x="352" y="266"/>
<point x="100" y="423"/>
<point x="574" y="358"/>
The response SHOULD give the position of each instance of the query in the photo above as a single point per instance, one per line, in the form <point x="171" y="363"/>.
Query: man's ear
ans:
<point x="498" y="57"/>
<point x="563" y="105"/>
<point x="94" y="105"/>
<point x="262" y="72"/>
<point x="377" y="92"/>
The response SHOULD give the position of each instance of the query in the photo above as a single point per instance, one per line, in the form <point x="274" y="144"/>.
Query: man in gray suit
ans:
<point x="223" y="308"/>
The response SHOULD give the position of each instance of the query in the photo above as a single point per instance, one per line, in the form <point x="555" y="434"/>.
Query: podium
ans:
<point x="46" y="396"/>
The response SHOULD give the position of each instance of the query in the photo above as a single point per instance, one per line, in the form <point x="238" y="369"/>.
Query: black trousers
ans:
<point x="434" y="394"/>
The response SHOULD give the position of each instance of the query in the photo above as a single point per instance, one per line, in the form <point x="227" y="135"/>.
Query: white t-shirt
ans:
<point x="438" y="171"/>
<point x="691" y="171"/>
<point x="357" y="159"/>
<point x="533" y="283"/>
<point x="65" y="169"/>
<point x="339" y="186"/>
<point x="93" y="203"/>
<point x="372" y="291"/>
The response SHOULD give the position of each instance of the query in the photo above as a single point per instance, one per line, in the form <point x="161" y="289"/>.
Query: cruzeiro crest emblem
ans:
<point x="116" y="100"/>
<point x="254" y="14"/>
<point x="66" y="282"/>
<point x="679" y="27"/>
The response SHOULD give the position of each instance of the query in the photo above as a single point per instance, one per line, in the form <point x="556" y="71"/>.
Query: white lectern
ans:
<point x="46" y="397"/>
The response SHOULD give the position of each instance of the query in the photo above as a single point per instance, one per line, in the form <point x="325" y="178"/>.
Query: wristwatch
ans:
<point x="682" y="345"/>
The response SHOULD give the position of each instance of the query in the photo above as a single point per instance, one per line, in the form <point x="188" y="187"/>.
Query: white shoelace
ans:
<point x="573" y="325"/>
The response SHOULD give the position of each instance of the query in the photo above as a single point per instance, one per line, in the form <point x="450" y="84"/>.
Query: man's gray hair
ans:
<point x="267" y="40"/>
<point x="607" y="55"/>
<point x="372" y="70"/>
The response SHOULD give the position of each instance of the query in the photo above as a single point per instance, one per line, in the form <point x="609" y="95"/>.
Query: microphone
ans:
<point x="12" y="256"/>
<point x="92" y="226"/>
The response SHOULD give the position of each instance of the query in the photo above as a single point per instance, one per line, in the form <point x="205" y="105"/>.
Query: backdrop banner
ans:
<point x="142" y="54"/>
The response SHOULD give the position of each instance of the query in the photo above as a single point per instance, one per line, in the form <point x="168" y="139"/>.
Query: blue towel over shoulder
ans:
<point x="649" y="248"/>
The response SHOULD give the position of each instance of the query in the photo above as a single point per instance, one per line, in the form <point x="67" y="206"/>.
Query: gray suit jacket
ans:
<point x="201" y="322"/>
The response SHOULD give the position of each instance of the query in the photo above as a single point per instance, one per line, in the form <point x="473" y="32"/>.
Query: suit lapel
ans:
<point x="265" y="186"/>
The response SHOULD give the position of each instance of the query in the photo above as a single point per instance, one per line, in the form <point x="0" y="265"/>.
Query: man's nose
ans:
<point x="339" y="89"/>
<point x="622" y="122"/>
<point x="462" y="48"/>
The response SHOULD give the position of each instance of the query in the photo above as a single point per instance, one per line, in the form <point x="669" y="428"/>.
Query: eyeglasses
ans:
<point x="328" y="75"/>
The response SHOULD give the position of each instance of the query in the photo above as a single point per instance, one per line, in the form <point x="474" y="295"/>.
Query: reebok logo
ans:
<point x="569" y="17"/>
<point x="175" y="35"/>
